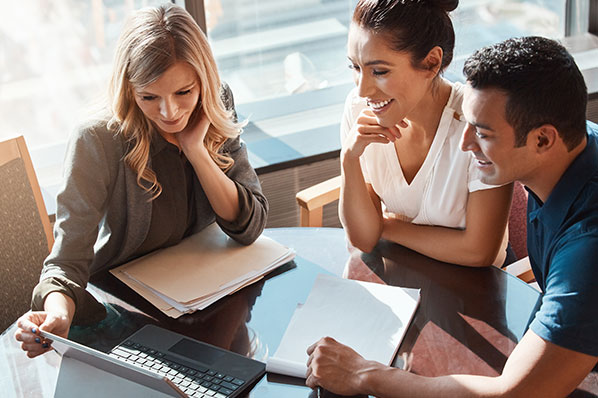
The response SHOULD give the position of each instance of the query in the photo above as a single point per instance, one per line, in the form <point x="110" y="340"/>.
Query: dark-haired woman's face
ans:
<point x="386" y="78"/>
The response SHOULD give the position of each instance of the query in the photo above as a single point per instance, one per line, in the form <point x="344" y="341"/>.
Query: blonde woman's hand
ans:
<point x="191" y="138"/>
<point x="366" y="131"/>
<point x="30" y="324"/>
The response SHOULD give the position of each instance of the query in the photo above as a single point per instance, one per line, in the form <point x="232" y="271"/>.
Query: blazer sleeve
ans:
<point x="89" y="170"/>
<point x="253" y="204"/>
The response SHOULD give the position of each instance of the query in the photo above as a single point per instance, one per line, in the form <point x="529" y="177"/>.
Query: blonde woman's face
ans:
<point x="171" y="99"/>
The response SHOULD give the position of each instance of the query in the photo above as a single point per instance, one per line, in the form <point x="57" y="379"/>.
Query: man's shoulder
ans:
<point x="574" y="256"/>
<point x="581" y="222"/>
<point x="587" y="199"/>
<point x="582" y="180"/>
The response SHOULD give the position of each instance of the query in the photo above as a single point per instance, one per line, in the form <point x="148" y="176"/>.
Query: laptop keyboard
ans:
<point x="197" y="381"/>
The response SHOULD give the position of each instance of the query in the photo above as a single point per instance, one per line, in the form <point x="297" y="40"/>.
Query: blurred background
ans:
<point x="285" y="61"/>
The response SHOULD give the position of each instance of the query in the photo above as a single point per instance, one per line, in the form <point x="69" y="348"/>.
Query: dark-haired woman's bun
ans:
<point x="445" y="5"/>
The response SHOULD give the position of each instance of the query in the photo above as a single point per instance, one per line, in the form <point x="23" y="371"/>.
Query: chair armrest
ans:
<point x="311" y="201"/>
<point x="320" y="194"/>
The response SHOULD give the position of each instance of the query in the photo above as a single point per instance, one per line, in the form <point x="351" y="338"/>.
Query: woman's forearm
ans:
<point x="60" y="303"/>
<point x="220" y="190"/>
<point x="476" y="245"/>
<point x="361" y="219"/>
<point x="441" y="243"/>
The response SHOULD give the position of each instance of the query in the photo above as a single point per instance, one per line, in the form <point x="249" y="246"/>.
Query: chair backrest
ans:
<point x="518" y="221"/>
<point x="26" y="234"/>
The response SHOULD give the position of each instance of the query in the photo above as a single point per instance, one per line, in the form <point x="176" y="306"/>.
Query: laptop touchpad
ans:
<point x="195" y="351"/>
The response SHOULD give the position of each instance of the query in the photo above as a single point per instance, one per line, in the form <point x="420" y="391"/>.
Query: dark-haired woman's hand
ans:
<point x="366" y="131"/>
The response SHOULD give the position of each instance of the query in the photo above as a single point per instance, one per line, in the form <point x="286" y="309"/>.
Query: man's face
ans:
<point x="491" y="139"/>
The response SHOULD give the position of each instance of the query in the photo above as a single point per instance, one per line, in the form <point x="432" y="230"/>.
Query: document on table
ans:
<point x="200" y="270"/>
<point x="371" y="318"/>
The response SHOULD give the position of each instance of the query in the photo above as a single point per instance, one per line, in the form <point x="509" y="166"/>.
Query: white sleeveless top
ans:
<point x="438" y="193"/>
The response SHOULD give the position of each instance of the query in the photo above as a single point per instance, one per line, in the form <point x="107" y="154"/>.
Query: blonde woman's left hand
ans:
<point x="191" y="138"/>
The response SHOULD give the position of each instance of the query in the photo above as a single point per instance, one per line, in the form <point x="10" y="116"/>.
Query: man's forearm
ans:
<point x="390" y="382"/>
<point x="534" y="368"/>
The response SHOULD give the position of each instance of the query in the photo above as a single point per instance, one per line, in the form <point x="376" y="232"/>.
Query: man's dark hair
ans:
<point x="542" y="83"/>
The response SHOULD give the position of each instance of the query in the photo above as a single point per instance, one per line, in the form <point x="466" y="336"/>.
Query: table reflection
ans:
<point x="469" y="319"/>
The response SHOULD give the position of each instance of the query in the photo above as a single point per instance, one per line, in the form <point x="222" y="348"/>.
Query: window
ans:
<point x="271" y="49"/>
<point x="481" y="23"/>
<point x="286" y="64"/>
<point x="55" y="62"/>
<point x="56" y="55"/>
<point x="56" y="59"/>
<point x="285" y="61"/>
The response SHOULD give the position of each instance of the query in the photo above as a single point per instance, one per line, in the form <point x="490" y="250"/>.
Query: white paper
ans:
<point x="371" y="318"/>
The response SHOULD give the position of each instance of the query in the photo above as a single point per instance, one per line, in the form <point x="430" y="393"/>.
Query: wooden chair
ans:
<point x="26" y="234"/>
<point x="312" y="200"/>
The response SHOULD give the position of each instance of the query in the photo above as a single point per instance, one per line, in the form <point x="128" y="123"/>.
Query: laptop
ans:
<point x="153" y="362"/>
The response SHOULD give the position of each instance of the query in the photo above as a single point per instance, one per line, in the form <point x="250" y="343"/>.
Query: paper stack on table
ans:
<point x="200" y="270"/>
<point x="371" y="318"/>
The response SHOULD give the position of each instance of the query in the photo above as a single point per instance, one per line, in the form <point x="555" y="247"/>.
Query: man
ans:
<point x="525" y="106"/>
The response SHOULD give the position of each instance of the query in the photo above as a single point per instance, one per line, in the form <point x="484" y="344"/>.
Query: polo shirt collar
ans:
<point x="555" y="209"/>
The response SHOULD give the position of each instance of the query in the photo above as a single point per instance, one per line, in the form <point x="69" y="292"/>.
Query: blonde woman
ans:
<point x="166" y="162"/>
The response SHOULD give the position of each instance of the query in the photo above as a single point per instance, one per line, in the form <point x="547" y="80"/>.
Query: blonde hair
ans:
<point x="154" y="39"/>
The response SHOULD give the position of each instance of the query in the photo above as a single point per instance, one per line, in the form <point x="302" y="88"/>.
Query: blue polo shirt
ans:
<point x="562" y="242"/>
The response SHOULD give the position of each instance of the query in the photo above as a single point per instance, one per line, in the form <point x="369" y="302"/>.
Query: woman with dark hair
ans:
<point x="404" y="177"/>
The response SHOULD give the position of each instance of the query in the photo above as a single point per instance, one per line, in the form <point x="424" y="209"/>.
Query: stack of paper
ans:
<point x="200" y="270"/>
<point x="370" y="318"/>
